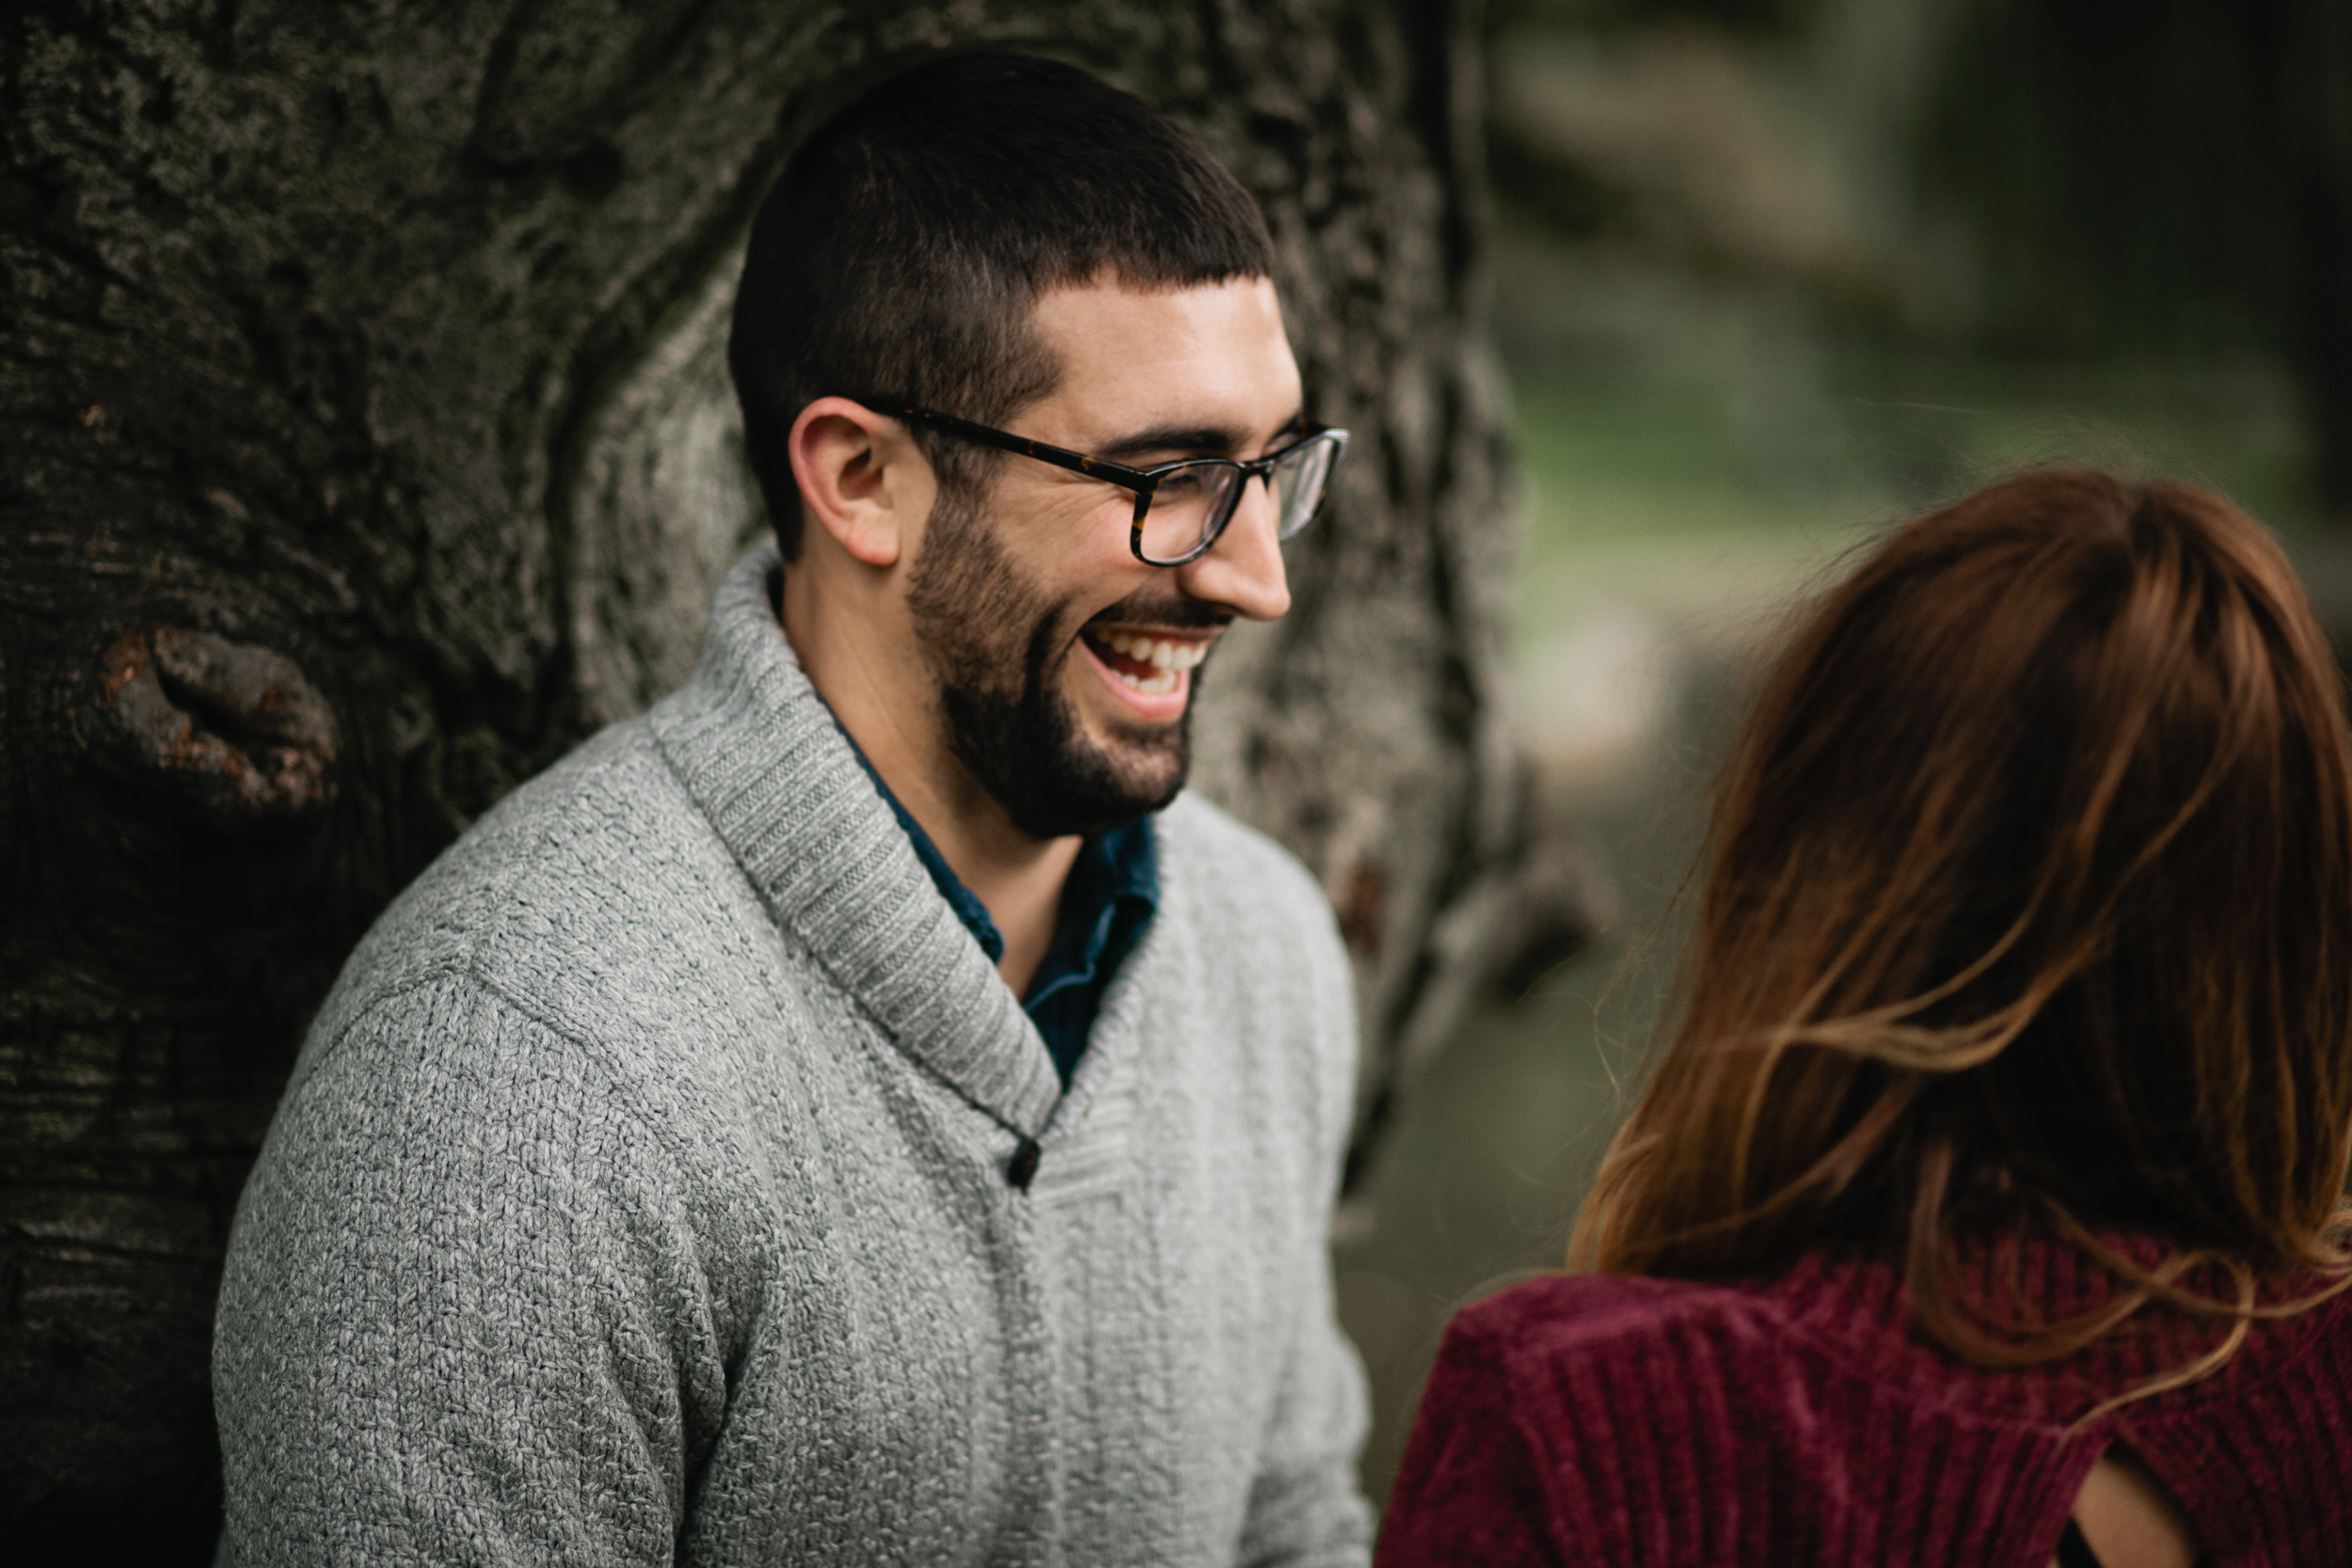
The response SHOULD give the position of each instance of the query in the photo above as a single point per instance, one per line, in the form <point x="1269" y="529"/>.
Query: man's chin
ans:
<point x="1143" y="795"/>
<point x="1151" y="760"/>
<point x="1100" y="799"/>
<point x="1059" y="765"/>
<point x="1105" y="780"/>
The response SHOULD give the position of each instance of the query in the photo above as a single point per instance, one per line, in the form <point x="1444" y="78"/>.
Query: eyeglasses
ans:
<point x="1181" y="507"/>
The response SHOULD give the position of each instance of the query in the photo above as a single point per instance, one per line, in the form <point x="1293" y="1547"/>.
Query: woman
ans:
<point x="1986" y="1204"/>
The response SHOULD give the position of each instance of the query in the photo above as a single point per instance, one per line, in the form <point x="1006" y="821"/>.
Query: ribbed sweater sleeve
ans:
<point x="1470" y="1490"/>
<point x="465" y="1321"/>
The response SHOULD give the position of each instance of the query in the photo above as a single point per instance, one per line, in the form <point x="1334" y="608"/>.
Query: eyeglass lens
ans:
<point x="1199" y="496"/>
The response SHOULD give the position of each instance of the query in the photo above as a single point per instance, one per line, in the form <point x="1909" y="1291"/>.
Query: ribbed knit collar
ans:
<point x="2035" y="1278"/>
<point x="758" y="751"/>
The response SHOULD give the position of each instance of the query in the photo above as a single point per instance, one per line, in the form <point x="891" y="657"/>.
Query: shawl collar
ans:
<point x="758" y="751"/>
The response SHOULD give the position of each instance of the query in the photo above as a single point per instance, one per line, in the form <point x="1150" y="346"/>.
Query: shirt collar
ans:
<point x="756" y="749"/>
<point x="1116" y="867"/>
<point x="961" y="899"/>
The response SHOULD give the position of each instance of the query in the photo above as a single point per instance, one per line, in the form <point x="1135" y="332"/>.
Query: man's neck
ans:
<point x="1016" y="878"/>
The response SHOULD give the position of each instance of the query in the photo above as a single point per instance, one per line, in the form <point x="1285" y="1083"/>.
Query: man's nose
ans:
<point x="1243" y="570"/>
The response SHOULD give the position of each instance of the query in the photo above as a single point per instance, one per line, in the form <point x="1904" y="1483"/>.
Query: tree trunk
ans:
<point x="368" y="443"/>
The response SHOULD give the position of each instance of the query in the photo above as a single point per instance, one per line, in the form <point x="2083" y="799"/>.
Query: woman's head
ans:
<point x="2029" y="893"/>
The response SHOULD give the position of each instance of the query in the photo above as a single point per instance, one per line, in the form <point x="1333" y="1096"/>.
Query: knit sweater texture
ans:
<point x="640" y="1196"/>
<point x="1801" y="1420"/>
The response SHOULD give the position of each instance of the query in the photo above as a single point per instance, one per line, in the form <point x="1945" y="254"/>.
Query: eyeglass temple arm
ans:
<point x="1142" y="483"/>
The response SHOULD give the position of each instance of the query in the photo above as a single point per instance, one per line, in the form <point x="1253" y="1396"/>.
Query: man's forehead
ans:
<point x="1210" y="356"/>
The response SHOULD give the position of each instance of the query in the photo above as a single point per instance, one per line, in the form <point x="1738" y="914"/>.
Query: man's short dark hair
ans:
<point x="907" y="241"/>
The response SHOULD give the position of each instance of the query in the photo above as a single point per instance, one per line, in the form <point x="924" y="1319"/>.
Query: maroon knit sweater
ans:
<point x="1603" y="1419"/>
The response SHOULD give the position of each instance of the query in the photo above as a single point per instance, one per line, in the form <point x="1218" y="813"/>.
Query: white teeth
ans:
<point x="1167" y="654"/>
<point x="1150" y="686"/>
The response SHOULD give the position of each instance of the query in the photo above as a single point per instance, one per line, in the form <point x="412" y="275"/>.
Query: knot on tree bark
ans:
<point x="234" y="731"/>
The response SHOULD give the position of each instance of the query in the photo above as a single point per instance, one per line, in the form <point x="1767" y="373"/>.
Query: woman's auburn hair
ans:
<point x="2027" y="902"/>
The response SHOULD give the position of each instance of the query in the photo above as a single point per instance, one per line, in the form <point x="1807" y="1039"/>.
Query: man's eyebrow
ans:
<point x="1203" y="438"/>
<point x="1215" y="439"/>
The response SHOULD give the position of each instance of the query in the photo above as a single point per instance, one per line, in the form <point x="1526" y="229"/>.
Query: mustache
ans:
<point x="1173" y="611"/>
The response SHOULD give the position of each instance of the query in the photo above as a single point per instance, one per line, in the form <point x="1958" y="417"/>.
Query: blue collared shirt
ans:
<point x="1107" y="903"/>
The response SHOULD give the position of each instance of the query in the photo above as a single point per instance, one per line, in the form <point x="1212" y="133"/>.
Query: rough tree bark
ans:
<point x="367" y="442"/>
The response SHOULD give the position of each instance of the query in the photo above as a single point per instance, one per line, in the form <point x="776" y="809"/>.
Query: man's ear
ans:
<point x="862" y="479"/>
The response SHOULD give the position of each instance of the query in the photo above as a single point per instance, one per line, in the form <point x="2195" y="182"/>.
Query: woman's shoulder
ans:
<point x="1601" y="1314"/>
<point x="1568" y="1313"/>
<point x="1574" y="1353"/>
<point x="1572" y="1407"/>
<point x="1819" y="1353"/>
<point x="1828" y="1348"/>
<point x="1608" y="1411"/>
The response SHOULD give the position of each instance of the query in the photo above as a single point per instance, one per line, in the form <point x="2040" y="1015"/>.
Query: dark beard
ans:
<point x="1009" y="721"/>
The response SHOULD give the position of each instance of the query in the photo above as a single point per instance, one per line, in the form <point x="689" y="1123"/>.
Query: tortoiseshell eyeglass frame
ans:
<point x="1141" y="481"/>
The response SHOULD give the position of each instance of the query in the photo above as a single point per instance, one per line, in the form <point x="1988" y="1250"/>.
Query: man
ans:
<point x="863" y="1112"/>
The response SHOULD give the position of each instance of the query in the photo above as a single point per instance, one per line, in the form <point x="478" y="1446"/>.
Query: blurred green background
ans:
<point x="1768" y="273"/>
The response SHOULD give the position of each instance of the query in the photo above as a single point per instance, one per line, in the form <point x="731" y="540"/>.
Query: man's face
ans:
<point x="1064" y="666"/>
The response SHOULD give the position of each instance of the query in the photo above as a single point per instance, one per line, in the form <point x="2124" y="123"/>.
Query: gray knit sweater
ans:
<point x="641" y="1195"/>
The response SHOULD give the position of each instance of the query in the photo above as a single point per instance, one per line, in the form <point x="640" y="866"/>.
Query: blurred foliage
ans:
<point x="2093" y="183"/>
<point x="2145" y="174"/>
<point x="2169" y="175"/>
<point x="1738" y="156"/>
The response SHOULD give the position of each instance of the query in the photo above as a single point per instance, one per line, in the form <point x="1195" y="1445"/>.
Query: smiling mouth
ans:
<point x="1149" y="666"/>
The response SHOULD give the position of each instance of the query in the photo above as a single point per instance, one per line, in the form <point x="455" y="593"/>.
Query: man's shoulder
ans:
<point x="1256" y="944"/>
<point x="1237" y="871"/>
<point x="598" y="878"/>
<point x="556" y="849"/>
